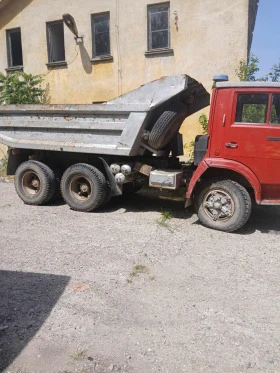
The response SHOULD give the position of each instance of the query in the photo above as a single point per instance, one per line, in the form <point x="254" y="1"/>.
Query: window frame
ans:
<point x="11" y="65"/>
<point x="267" y="113"/>
<point x="151" y="50"/>
<point x="48" y="32"/>
<point x="100" y="57"/>
<point x="270" y="111"/>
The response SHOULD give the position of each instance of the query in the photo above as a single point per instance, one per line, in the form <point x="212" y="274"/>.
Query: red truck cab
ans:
<point x="242" y="156"/>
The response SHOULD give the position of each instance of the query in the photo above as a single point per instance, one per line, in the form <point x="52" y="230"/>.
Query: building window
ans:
<point x="55" y="40"/>
<point x="100" y="24"/>
<point x="14" y="48"/>
<point x="158" y="26"/>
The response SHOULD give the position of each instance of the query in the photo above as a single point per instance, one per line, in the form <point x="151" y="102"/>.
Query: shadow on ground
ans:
<point x="26" y="301"/>
<point x="263" y="218"/>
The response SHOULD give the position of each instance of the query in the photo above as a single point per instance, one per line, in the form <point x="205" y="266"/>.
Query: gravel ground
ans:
<point x="121" y="290"/>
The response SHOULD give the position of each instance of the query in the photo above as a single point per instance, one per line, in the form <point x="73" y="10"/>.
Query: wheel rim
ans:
<point x="80" y="188"/>
<point x="218" y="205"/>
<point x="31" y="183"/>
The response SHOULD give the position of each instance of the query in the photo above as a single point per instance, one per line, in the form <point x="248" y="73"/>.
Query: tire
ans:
<point x="35" y="183"/>
<point x="223" y="205"/>
<point x="167" y="126"/>
<point x="84" y="187"/>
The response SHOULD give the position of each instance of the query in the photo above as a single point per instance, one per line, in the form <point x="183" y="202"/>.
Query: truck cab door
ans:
<point x="252" y="137"/>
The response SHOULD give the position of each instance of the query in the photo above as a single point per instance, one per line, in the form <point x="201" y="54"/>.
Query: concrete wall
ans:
<point x="208" y="37"/>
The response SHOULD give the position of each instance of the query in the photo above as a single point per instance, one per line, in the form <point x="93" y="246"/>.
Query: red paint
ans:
<point x="252" y="150"/>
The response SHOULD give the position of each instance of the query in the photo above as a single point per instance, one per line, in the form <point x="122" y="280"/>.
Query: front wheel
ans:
<point x="223" y="205"/>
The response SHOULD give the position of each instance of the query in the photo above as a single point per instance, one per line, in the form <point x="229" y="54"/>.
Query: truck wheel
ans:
<point x="223" y="205"/>
<point x="35" y="183"/>
<point x="84" y="187"/>
<point x="166" y="127"/>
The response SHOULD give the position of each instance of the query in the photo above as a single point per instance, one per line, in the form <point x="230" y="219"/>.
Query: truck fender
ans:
<point x="227" y="164"/>
<point x="15" y="158"/>
<point x="115" y="189"/>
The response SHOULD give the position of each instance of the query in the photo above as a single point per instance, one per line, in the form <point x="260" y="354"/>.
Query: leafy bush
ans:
<point x="21" y="88"/>
<point x="247" y="70"/>
<point x="203" y="121"/>
<point x="3" y="166"/>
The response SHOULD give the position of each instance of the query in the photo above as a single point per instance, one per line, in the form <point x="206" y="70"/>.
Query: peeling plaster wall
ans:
<point x="209" y="38"/>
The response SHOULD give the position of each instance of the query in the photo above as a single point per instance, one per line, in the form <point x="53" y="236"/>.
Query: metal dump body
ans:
<point x="114" y="127"/>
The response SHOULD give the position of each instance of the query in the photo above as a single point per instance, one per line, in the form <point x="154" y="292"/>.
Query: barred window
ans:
<point x="158" y="26"/>
<point x="100" y="24"/>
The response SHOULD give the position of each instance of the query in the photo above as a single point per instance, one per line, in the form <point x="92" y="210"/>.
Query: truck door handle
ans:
<point x="231" y="145"/>
<point x="273" y="138"/>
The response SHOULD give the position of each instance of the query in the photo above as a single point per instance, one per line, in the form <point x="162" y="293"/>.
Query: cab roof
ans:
<point x="256" y="84"/>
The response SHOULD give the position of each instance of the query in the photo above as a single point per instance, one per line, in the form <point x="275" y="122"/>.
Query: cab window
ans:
<point x="251" y="108"/>
<point x="275" y="110"/>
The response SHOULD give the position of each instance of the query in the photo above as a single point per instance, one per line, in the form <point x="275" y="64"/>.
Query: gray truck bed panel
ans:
<point x="111" y="128"/>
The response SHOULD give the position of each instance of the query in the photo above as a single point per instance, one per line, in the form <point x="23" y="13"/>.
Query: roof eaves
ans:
<point x="3" y="3"/>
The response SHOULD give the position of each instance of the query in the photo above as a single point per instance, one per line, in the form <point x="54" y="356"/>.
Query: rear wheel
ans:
<point x="35" y="183"/>
<point x="84" y="187"/>
<point x="223" y="205"/>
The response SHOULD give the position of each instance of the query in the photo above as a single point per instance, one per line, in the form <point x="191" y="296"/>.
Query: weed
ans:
<point x="190" y="150"/>
<point x="152" y="278"/>
<point x="79" y="355"/>
<point x="203" y="121"/>
<point x="165" y="216"/>
<point x="3" y="166"/>
<point x="139" y="268"/>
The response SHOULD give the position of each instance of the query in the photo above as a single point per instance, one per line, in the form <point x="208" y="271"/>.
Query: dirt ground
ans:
<point x="123" y="290"/>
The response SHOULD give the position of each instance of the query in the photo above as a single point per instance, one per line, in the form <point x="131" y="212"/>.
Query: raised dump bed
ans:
<point x="123" y="126"/>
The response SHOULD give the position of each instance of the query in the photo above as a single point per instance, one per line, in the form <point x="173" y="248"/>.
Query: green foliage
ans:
<point x="274" y="74"/>
<point x="203" y="121"/>
<point x="163" y="221"/>
<point x="3" y="166"/>
<point x="247" y="70"/>
<point x="190" y="150"/>
<point x="21" y="88"/>
<point x="254" y="113"/>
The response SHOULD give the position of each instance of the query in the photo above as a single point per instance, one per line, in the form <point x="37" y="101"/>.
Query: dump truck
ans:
<point x="90" y="153"/>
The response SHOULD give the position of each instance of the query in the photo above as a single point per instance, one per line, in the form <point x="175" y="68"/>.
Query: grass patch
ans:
<point x="166" y="215"/>
<point x="79" y="355"/>
<point x="3" y="166"/>
<point x="138" y="268"/>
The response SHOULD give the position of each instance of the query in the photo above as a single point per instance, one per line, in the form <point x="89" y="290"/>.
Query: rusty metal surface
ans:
<point x="113" y="128"/>
<point x="144" y="169"/>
